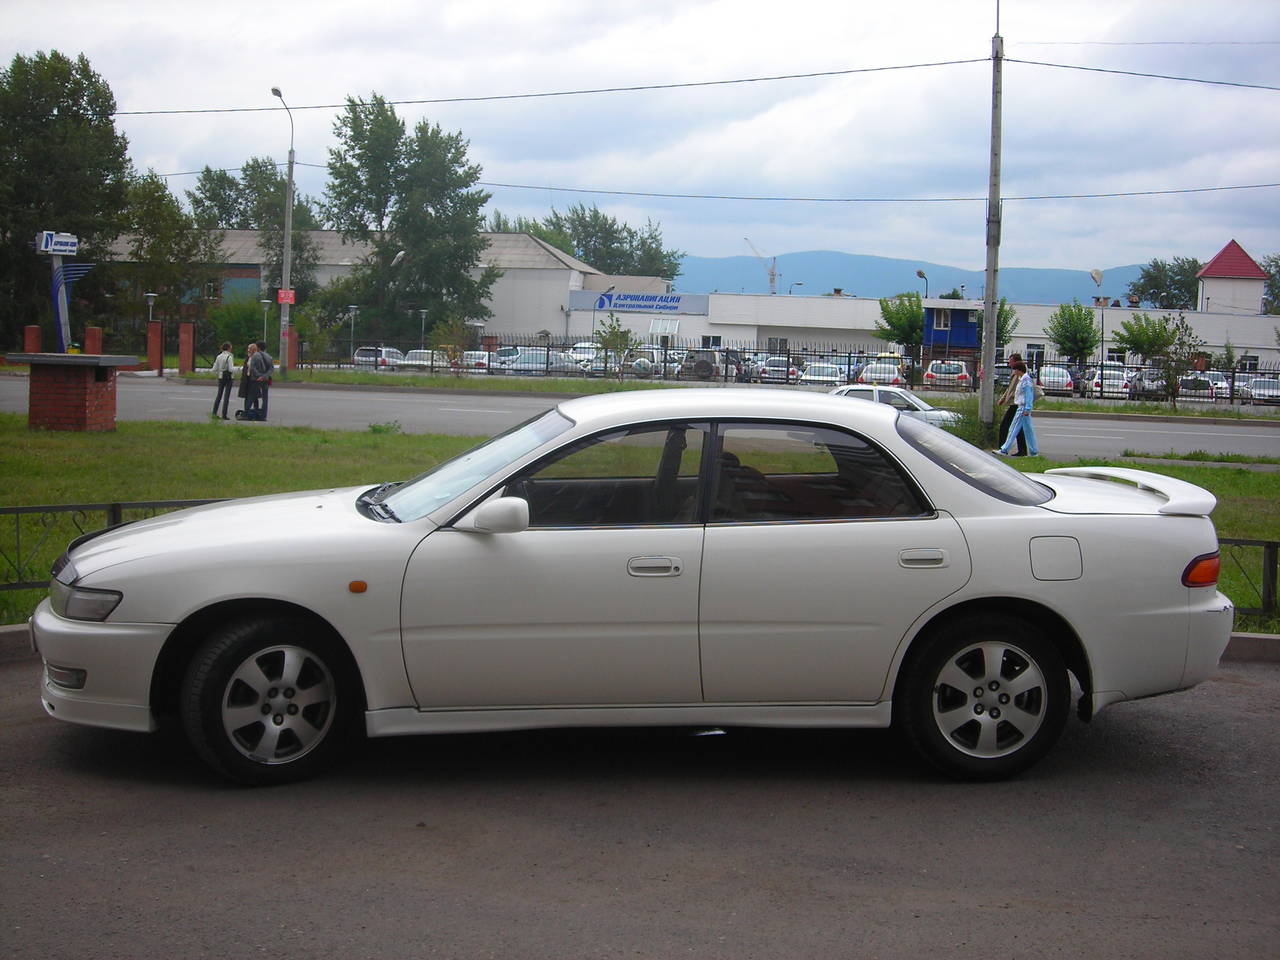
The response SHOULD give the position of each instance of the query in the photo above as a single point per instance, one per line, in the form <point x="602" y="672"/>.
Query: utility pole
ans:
<point x="990" y="324"/>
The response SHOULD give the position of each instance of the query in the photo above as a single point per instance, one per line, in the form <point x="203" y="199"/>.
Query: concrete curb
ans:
<point x="1255" y="647"/>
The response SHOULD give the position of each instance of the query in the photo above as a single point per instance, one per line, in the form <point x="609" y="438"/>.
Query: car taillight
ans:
<point x="963" y="376"/>
<point x="931" y="376"/>
<point x="862" y="378"/>
<point x="897" y="380"/>
<point x="1202" y="571"/>
<point x="382" y="361"/>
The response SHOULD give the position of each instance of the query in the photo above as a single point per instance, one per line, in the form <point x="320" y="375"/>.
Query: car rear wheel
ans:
<point x="985" y="697"/>
<point x="269" y="700"/>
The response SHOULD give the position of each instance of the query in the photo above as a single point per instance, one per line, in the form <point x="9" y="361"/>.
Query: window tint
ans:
<point x="800" y="472"/>
<point x="972" y="465"/>
<point x="643" y="475"/>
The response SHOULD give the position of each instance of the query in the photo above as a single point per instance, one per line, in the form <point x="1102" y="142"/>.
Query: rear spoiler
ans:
<point x="1181" y="498"/>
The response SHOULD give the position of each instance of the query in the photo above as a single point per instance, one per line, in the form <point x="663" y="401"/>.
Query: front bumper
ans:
<point x="118" y="660"/>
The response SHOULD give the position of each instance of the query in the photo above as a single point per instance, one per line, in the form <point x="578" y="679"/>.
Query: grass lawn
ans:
<point x="172" y="461"/>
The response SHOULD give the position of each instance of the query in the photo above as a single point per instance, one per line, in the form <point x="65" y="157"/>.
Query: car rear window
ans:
<point x="973" y="466"/>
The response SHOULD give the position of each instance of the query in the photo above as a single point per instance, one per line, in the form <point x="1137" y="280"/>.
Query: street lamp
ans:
<point x="797" y="283"/>
<point x="422" y="332"/>
<point x="151" y="302"/>
<point x="288" y="245"/>
<point x="266" y="305"/>
<point x="593" y="308"/>
<point x="920" y="274"/>
<point x="1102" y="331"/>
<point x="354" y="308"/>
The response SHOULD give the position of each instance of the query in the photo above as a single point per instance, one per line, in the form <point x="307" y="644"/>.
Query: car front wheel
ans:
<point x="985" y="697"/>
<point x="269" y="700"/>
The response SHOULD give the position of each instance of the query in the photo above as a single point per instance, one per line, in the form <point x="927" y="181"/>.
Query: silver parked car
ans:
<point x="899" y="399"/>
<point x="1056" y="380"/>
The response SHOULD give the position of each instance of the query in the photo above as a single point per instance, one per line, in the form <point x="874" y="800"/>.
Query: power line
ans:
<point x="1144" y="43"/>
<point x="567" y="93"/>
<point x="712" y="196"/>
<point x="766" y="199"/>
<point x="1153" y="76"/>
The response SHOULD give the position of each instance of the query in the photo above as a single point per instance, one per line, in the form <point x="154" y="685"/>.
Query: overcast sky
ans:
<point x="920" y="133"/>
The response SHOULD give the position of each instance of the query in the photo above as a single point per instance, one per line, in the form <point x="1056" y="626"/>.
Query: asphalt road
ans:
<point x="1151" y="832"/>
<point x="151" y="398"/>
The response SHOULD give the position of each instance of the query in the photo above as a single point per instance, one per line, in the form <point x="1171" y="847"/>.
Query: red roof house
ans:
<point x="1232" y="282"/>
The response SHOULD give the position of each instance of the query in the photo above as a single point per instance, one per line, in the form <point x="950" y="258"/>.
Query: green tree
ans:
<point x="615" y="342"/>
<point x="1006" y="323"/>
<point x="255" y="201"/>
<point x="63" y="166"/>
<point x="614" y="247"/>
<point x="499" y="223"/>
<point x="1073" y="332"/>
<point x="1271" y="264"/>
<point x="452" y="336"/>
<point x="170" y="254"/>
<point x="1184" y="350"/>
<point x="902" y="321"/>
<point x="1144" y="336"/>
<point x="411" y="193"/>
<point x="1168" y="286"/>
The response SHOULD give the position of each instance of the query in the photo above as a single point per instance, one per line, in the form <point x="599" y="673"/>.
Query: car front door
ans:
<point x="596" y="603"/>
<point x="820" y="553"/>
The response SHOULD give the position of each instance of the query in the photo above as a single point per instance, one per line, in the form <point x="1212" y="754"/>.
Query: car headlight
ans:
<point x="79" y="603"/>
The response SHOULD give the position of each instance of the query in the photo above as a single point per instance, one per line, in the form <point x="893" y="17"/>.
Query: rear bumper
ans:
<point x="1207" y="636"/>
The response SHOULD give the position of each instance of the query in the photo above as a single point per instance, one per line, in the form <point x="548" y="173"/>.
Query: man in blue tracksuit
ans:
<point x="1025" y="397"/>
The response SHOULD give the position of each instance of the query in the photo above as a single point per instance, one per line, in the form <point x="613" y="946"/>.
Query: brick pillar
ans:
<point x="31" y="338"/>
<point x="155" y="346"/>
<point x="186" y="346"/>
<point x="76" y="398"/>
<point x="93" y="340"/>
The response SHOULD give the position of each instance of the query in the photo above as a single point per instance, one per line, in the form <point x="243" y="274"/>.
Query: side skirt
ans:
<point x="407" y="720"/>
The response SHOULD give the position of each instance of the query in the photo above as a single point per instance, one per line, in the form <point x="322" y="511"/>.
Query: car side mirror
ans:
<point x="503" y="515"/>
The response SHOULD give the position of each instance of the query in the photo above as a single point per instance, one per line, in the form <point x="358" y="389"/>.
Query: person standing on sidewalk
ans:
<point x="1007" y="400"/>
<point x="1025" y="396"/>
<point x="224" y="366"/>
<point x="261" y="366"/>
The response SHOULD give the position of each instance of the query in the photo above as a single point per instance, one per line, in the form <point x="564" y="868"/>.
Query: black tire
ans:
<point x="984" y="697"/>
<point x="269" y="700"/>
<point x="702" y="370"/>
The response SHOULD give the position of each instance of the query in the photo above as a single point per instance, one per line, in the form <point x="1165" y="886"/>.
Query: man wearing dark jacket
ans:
<point x="261" y="366"/>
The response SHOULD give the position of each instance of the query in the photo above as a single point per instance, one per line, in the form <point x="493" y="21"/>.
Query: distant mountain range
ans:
<point x="817" y="272"/>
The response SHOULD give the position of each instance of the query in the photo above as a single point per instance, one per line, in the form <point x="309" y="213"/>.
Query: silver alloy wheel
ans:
<point x="989" y="699"/>
<point x="278" y="704"/>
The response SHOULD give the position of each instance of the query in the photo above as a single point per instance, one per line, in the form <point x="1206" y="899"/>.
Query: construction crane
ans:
<point x="770" y="264"/>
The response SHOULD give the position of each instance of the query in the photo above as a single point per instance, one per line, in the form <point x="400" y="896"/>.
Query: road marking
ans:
<point x="472" y="410"/>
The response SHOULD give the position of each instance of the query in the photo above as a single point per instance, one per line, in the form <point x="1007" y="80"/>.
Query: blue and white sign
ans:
<point x="58" y="244"/>
<point x="668" y="303"/>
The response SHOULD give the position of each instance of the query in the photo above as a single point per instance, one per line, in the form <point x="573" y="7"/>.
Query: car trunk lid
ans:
<point x="1077" y="490"/>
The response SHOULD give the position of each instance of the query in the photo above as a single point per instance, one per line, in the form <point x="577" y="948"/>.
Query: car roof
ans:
<point x="696" y="403"/>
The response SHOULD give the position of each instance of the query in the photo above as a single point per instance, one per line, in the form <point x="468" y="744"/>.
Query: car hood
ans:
<point x="247" y="524"/>
<point x="1093" y="490"/>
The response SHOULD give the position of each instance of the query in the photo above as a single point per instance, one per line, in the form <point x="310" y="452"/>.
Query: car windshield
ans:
<point x="972" y="465"/>
<point x="445" y="481"/>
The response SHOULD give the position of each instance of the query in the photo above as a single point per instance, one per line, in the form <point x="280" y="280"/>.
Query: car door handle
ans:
<point x="923" y="557"/>
<point x="654" y="566"/>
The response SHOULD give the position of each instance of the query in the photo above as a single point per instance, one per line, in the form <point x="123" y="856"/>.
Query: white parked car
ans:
<point x="601" y="564"/>
<point x="881" y="372"/>
<point x="899" y="399"/>
<point x="823" y="374"/>
<point x="380" y="358"/>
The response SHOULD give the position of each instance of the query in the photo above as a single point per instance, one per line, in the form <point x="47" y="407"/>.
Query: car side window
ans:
<point x="772" y="472"/>
<point x="638" y="476"/>
<point x="896" y="400"/>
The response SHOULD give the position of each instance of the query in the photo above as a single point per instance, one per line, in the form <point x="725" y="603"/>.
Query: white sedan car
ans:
<point x="721" y="557"/>
<point x="899" y="399"/>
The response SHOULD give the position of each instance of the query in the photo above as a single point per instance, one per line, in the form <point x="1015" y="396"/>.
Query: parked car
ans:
<point x="1056" y="380"/>
<point x="899" y="399"/>
<point x="1148" y="384"/>
<point x="1107" y="383"/>
<point x="477" y="361"/>
<point x="778" y="370"/>
<point x="1195" y="386"/>
<point x="1264" y="390"/>
<point x="535" y="361"/>
<point x="600" y="564"/>
<point x="947" y="375"/>
<point x="823" y="374"/>
<point x="705" y="364"/>
<point x="880" y="372"/>
<point x="379" y="358"/>
<point x="430" y="359"/>
<point x="584" y="351"/>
